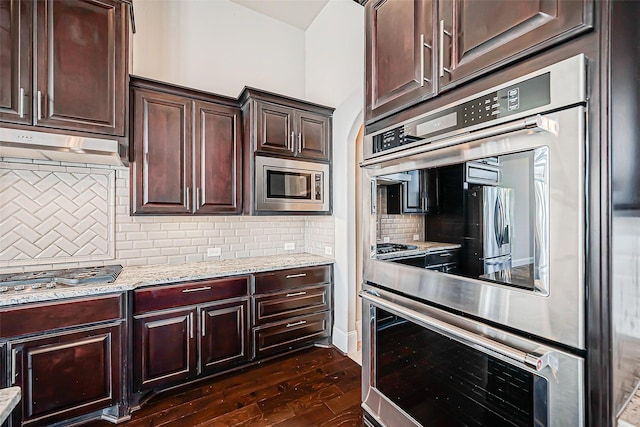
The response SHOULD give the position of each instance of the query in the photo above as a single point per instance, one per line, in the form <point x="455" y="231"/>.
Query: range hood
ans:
<point x="27" y="144"/>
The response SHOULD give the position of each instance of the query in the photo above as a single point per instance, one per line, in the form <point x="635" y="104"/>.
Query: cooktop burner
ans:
<point x="58" y="278"/>
<point x="385" y="248"/>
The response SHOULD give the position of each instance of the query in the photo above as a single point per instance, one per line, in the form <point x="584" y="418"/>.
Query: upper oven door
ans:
<point x="291" y="185"/>
<point x="520" y="232"/>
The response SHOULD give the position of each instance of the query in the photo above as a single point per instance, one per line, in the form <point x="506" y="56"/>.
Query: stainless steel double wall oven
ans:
<point x="499" y="340"/>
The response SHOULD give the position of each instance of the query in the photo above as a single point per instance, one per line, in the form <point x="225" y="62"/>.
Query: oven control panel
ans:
<point x="514" y="99"/>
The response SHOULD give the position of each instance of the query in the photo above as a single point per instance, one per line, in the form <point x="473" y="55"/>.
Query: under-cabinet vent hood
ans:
<point x="62" y="148"/>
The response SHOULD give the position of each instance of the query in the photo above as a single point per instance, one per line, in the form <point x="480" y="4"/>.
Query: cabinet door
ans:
<point x="223" y="335"/>
<point x="218" y="159"/>
<point x="313" y="133"/>
<point x="413" y="199"/>
<point x="164" y="348"/>
<point x="15" y="60"/>
<point x="507" y="32"/>
<point x="400" y="62"/>
<point x="274" y="129"/>
<point x="161" y="175"/>
<point x="81" y="65"/>
<point x="66" y="375"/>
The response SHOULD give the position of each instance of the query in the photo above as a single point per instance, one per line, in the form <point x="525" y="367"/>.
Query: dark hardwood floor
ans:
<point x="314" y="387"/>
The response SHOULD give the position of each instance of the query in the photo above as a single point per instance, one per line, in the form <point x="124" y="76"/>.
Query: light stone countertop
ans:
<point x="631" y="415"/>
<point x="135" y="277"/>
<point x="422" y="248"/>
<point x="9" y="398"/>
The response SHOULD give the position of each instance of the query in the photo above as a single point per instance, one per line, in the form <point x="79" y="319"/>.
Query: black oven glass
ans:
<point x="289" y="185"/>
<point x="441" y="382"/>
<point x="493" y="209"/>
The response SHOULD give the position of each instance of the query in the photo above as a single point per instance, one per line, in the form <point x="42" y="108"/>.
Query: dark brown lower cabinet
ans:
<point x="224" y="341"/>
<point x="173" y="346"/>
<point x="165" y="348"/>
<point x="68" y="374"/>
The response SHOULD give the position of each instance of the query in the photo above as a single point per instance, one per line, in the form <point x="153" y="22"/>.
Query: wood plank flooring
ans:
<point x="314" y="387"/>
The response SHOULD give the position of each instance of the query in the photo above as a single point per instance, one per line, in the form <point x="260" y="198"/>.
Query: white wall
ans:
<point x="335" y="76"/>
<point x="217" y="46"/>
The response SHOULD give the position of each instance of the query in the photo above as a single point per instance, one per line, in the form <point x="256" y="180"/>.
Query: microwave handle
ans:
<point x="374" y="197"/>
<point x="538" y="360"/>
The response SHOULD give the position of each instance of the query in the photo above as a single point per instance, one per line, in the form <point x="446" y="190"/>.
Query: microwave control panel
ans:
<point x="523" y="96"/>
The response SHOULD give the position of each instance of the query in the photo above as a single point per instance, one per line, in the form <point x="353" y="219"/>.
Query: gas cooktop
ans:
<point x="50" y="279"/>
<point x="386" y="248"/>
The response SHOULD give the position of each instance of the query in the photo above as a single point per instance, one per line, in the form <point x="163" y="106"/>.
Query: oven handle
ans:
<point x="537" y="360"/>
<point x="538" y="122"/>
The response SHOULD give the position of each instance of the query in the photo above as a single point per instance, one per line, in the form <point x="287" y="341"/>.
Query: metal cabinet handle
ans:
<point x="21" y="103"/>
<point x="14" y="373"/>
<point x="292" y="276"/>
<point x="203" y="288"/>
<point x="291" y="325"/>
<point x="191" y="324"/>
<point x="422" y="46"/>
<point x="443" y="32"/>
<point x="188" y="198"/>
<point x="39" y="105"/>
<point x="296" y="294"/>
<point x="293" y="142"/>
<point x="204" y="323"/>
<point x="299" y="142"/>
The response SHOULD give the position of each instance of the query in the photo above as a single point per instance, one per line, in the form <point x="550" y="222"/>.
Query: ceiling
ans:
<point x="299" y="13"/>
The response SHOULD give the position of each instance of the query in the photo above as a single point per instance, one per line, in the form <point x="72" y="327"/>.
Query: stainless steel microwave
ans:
<point x="286" y="185"/>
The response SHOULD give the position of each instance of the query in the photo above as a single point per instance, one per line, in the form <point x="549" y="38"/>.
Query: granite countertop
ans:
<point x="134" y="277"/>
<point x="631" y="415"/>
<point x="9" y="398"/>
<point x="423" y="248"/>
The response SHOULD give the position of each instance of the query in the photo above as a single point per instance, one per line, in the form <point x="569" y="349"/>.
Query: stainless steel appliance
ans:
<point x="52" y="279"/>
<point x="285" y="185"/>
<point x="520" y="316"/>
<point x="425" y="367"/>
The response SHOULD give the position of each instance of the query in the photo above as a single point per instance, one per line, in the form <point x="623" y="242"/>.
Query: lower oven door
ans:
<point x="426" y="367"/>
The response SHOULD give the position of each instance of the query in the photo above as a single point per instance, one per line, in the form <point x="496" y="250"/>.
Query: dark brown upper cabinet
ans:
<point x="419" y="48"/>
<point x="186" y="155"/>
<point x="400" y="54"/>
<point x="68" y="71"/>
<point x="16" y="70"/>
<point x="507" y="33"/>
<point x="278" y="125"/>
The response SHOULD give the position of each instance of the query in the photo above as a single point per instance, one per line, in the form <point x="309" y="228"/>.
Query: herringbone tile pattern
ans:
<point x="48" y="215"/>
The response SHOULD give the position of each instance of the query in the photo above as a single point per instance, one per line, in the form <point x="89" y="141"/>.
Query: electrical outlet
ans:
<point x="416" y="237"/>
<point x="328" y="250"/>
<point x="289" y="246"/>
<point x="214" y="251"/>
<point x="386" y="240"/>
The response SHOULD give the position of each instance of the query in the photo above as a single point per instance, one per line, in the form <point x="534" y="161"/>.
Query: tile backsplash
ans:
<point x="398" y="228"/>
<point x="89" y="206"/>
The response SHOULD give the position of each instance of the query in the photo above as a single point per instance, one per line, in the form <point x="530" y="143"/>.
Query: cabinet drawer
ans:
<point x="279" y="306"/>
<point x="35" y="318"/>
<point x="189" y="293"/>
<point x="294" y="333"/>
<point x="291" y="278"/>
<point x="442" y="257"/>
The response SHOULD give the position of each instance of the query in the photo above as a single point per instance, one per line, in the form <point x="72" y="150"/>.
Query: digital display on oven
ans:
<point x="435" y="125"/>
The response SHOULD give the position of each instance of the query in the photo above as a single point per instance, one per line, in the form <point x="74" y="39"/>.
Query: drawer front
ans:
<point x="189" y="293"/>
<point x="279" y="306"/>
<point x="293" y="333"/>
<point x="291" y="278"/>
<point x="35" y="318"/>
<point x="444" y="257"/>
